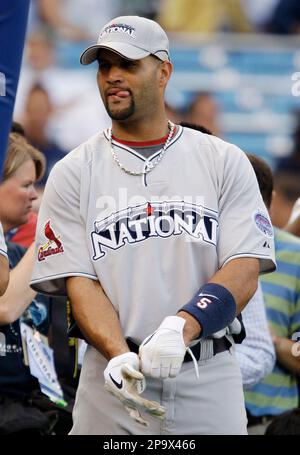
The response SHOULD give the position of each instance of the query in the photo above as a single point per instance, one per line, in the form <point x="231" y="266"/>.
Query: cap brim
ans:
<point x="125" y="50"/>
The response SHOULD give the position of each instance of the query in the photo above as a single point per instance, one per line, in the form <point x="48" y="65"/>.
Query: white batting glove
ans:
<point x="124" y="380"/>
<point x="232" y="329"/>
<point x="162" y="353"/>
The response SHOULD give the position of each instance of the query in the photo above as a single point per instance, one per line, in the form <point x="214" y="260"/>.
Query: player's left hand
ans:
<point x="232" y="329"/>
<point x="162" y="353"/>
<point x="124" y="380"/>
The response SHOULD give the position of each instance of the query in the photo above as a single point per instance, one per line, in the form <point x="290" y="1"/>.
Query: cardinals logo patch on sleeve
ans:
<point x="52" y="246"/>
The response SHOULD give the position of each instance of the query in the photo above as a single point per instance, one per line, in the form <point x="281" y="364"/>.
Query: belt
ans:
<point x="203" y="350"/>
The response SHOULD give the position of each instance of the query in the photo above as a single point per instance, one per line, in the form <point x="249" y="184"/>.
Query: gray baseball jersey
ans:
<point x="152" y="241"/>
<point x="3" y="247"/>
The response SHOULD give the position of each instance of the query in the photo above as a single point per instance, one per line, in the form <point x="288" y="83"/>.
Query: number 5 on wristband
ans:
<point x="213" y="307"/>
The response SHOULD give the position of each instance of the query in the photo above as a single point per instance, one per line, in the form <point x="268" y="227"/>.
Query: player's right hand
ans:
<point x="124" y="380"/>
<point x="162" y="353"/>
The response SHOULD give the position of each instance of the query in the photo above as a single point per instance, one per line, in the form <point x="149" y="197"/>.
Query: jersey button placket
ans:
<point x="146" y="166"/>
<point x="168" y="401"/>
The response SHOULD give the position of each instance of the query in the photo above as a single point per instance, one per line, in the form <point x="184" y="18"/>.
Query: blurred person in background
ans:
<point x="204" y="110"/>
<point x="23" y="166"/>
<point x="286" y="192"/>
<point x="293" y="225"/>
<point x="145" y="8"/>
<point x="291" y="163"/>
<point x="286" y="18"/>
<point x="24" y="234"/>
<point x="278" y="392"/>
<point x="23" y="408"/>
<point x="286" y="424"/>
<point x="39" y="66"/>
<point x="173" y="114"/>
<point x="203" y="16"/>
<point x="38" y="111"/>
<point x="69" y="18"/>
<point x="259" y="13"/>
<point x="196" y="127"/>
<point x="17" y="128"/>
<point x="70" y="92"/>
<point x="256" y="354"/>
<point x="287" y="186"/>
<point x="40" y="51"/>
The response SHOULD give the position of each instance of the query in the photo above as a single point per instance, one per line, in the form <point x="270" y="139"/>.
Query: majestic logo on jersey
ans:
<point x="158" y="219"/>
<point x="53" y="246"/>
<point x="118" y="28"/>
<point x="263" y="223"/>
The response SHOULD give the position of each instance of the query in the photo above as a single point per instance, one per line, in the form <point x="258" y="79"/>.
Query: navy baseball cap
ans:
<point x="132" y="37"/>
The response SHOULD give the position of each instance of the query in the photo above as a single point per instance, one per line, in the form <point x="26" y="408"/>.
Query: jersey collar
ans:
<point x="130" y="148"/>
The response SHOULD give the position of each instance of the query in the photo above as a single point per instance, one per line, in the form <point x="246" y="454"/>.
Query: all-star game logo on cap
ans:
<point x="118" y="28"/>
<point x="132" y="37"/>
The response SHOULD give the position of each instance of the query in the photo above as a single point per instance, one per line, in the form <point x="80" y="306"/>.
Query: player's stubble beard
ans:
<point x="142" y="103"/>
<point x="120" y="114"/>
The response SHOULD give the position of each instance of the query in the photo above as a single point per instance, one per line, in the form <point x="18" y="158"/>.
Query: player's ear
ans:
<point x="166" y="69"/>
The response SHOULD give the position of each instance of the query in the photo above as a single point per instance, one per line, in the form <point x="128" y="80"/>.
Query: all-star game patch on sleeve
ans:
<point x="61" y="247"/>
<point x="245" y="229"/>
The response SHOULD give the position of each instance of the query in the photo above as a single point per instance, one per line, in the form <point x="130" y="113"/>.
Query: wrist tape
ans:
<point x="213" y="307"/>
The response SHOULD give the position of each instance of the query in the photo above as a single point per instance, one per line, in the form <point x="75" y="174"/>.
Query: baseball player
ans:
<point x="4" y="269"/>
<point x="160" y="234"/>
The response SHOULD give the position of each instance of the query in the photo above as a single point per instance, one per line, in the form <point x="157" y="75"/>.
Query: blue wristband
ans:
<point x="213" y="307"/>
